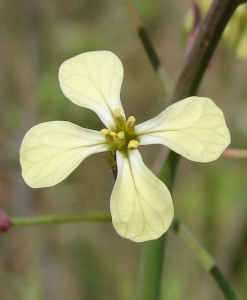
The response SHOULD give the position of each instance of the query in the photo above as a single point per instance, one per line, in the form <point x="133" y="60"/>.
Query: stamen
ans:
<point x="121" y="141"/>
<point x="104" y="131"/>
<point x="110" y="137"/>
<point x="133" y="144"/>
<point x="130" y="125"/>
<point x="121" y="123"/>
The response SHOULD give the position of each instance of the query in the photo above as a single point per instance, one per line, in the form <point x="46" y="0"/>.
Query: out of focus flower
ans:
<point x="235" y="33"/>
<point x="5" y="221"/>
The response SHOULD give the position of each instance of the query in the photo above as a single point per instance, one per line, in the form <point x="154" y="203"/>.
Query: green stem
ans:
<point x="201" y="53"/>
<point x="58" y="219"/>
<point x="152" y="254"/>
<point x="205" y="259"/>
<point x="222" y="283"/>
<point x="153" y="251"/>
<point x="187" y="85"/>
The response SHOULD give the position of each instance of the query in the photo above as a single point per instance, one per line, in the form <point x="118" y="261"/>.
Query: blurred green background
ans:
<point x="90" y="261"/>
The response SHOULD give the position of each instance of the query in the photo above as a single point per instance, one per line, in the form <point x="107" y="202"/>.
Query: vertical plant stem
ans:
<point x="203" y="48"/>
<point x="187" y="85"/>
<point x="152" y="256"/>
<point x="152" y="253"/>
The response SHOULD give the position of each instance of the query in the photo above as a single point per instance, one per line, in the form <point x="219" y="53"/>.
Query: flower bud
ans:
<point x="5" y="221"/>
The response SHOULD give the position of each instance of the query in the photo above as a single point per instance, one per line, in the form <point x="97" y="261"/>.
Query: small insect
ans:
<point x="111" y="159"/>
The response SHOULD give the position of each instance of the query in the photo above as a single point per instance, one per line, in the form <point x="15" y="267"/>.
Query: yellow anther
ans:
<point x="121" y="141"/>
<point x="130" y="125"/>
<point x="117" y="113"/>
<point x="121" y="123"/>
<point x="125" y="136"/>
<point x="133" y="144"/>
<point x="114" y="136"/>
<point x="111" y="137"/>
<point x="120" y="135"/>
<point x="105" y="131"/>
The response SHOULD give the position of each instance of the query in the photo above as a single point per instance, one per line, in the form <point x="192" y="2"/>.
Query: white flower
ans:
<point x="141" y="205"/>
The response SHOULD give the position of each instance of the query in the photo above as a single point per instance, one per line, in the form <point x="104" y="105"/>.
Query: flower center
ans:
<point x="125" y="137"/>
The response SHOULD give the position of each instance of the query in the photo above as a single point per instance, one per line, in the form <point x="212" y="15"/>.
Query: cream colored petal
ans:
<point x="51" y="151"/>
<point x="194" y="128"/>
<point x="93" y="80"/>
<point x="141" y="205"/>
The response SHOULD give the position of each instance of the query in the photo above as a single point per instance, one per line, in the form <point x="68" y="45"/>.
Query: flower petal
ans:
<point x="93" y="80"/>
<point x="194" y="128"/>
<point x="141" y="205"/>
<point x="51" y="151"/>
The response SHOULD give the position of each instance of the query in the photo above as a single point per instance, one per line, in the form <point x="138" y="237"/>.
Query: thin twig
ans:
<point x="205" y="259"/>
<point x="234" y="153"/>
<point x="60" y="219"/>
<point x="180" y="229"/>
<point x="149" y="48"/>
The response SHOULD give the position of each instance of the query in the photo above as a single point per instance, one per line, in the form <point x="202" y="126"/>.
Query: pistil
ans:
<point x="121" y="141"/>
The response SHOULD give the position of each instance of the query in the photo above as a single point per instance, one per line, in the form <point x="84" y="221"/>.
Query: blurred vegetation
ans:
<point x="90" y="261"/>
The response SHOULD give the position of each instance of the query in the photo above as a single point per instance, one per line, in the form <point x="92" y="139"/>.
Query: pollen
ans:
<point x="130" y="125"/>
<point x="133" y="144"/>
<point x="121" y="141"/>
<point x="120" y="120"/>
<point x="125" y="137"/>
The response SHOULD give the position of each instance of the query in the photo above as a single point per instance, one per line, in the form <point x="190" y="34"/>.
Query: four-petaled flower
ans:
<point x="141" y="205"/>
